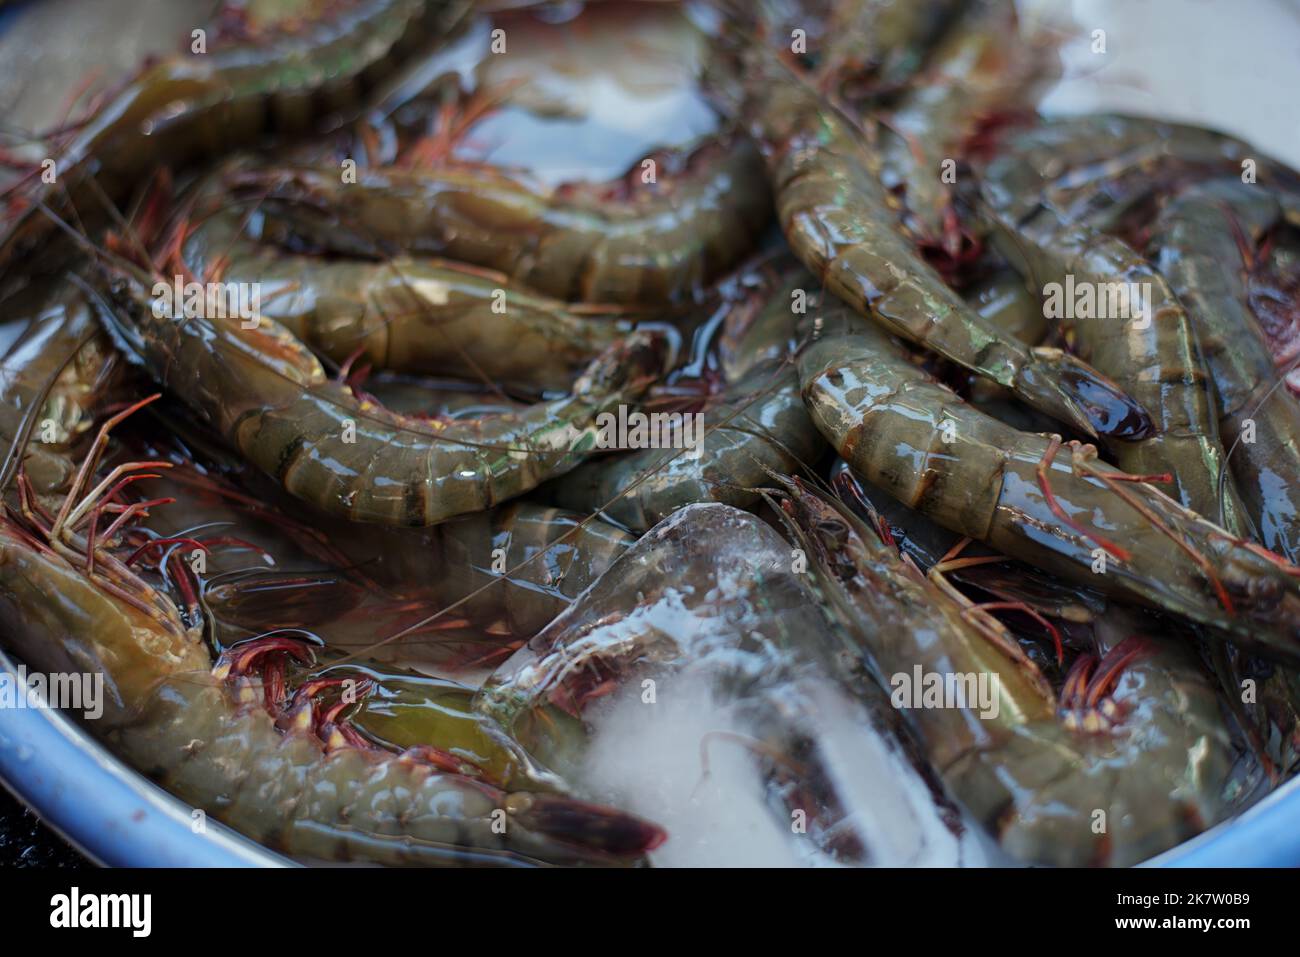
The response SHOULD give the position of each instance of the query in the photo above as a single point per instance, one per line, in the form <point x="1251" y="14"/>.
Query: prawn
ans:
<point x="1195" y="238"/>
<point x="205" y="733"/>
<point x="263" y="391"/>
<point x="840" y="222"/>
<point x="1092" y="524"/>
<point x="1130" y="757"/>
<point x="195" y="104"/>
<point x="408" y="315"/>
<point x="609" y="244"/>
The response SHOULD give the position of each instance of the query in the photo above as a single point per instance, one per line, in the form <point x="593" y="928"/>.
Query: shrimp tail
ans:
<point x="592" y="825"/>
<point x="1074" y="393"/>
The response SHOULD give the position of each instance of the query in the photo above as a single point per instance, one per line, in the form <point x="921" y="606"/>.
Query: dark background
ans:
<point x="26" y="842"/>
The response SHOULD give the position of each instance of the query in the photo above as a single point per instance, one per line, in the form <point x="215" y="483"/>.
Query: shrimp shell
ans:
<point x="269" y="397"/>
<point x="839" y="222"/>
<point x="916" y="440"/>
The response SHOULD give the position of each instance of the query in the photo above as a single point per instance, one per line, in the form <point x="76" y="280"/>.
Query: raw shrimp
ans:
<point x="207" y="736"/>
<point x="839" y="221"/>
<point x="982" y="71"/>
<point x="711" y="591"/>
<point x="1095" y="167"/>
<point x="1066" y="513"/>
<point x="759" y="423"/>
<point x="1196" y="240"/>
<point x="1132" y="758"/>
<point x="409" y="315"/>
<point x="60" y="359"/>
<point x="197" y="104"/>
<point x="1130" y="325"/>
<point x="269" y="397"/>
<point x="614" y="244"/>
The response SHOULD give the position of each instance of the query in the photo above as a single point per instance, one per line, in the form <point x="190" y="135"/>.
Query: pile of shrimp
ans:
<point x="372" y="471"/>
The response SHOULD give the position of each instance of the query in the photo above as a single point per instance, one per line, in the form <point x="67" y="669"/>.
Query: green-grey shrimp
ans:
<point x="267" y="395"/>
<point x="1196" y="240"/>
<point x="409" y="315"/>
<point x="1121" y="316"/>
<point x="206" y="734"/>
<point x="1129" y="759"/>
<point x="840" y="223"/>
<point x="196" y="104"/>
<point x="1067" y="513"/>
<point x="612" y="243"/>
<point x="1095" y="167"/>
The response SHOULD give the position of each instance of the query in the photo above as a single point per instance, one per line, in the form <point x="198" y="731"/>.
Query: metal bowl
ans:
<point x="117" y="818"/>
<point x="102" y="807"/>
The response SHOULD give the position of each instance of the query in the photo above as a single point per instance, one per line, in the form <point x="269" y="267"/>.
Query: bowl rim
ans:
<point x="105" y="809"/>
<point x="116" y="817"/>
